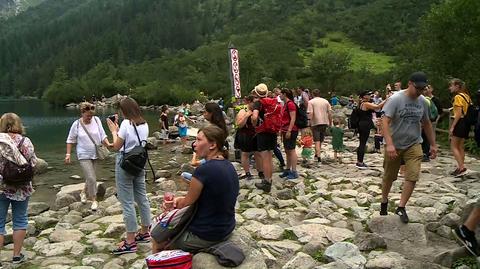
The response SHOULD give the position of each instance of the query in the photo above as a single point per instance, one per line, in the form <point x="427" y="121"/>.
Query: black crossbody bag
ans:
<point x="133" y="162"/>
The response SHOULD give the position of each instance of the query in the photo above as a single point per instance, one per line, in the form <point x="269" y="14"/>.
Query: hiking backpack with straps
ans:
<point x="433" y="110"/>
<point x="301" y="118"/>
<point x="17" y="175"/>
<point x="133" y="162"/>
<point x="272" y="117"/>
<point x="471" y="117"/>
<point x="354" y="119"/>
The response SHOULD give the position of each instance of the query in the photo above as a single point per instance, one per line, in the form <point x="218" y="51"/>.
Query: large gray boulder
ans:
<point x="35" y="208"/>
<point x="347" y="253"/>
<point x="398" y="235"/>
<point x="41" y="167"/>
<point x="75" y="190"/>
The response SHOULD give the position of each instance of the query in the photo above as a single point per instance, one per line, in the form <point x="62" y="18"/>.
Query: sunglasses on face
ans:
<point x="88" y="108"/>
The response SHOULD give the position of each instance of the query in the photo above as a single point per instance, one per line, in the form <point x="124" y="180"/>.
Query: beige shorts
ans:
<point x="413" y="161"/>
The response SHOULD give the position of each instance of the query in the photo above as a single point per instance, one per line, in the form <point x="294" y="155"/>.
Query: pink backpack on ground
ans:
<point x="170" y="259"/>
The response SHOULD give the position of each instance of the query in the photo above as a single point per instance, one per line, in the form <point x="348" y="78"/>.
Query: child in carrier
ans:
<point x="306" y="142"/>
<point x="337" y="140"/>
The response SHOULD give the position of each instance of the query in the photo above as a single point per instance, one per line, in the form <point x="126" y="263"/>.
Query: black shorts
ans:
<point x="246" y="142"/>
<point x="319" y="132"/>
<point x="266" y="141"/>
<point x="291" y="143"/>
<point x="461" y="129"/>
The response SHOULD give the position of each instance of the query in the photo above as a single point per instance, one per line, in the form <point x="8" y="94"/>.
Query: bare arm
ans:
<point x="242" y="118"/>
<point x="117" y="141"/>
<point x="390" y="147"/>
<point x="372" y="106"/>
<point x="255" y="117"/>
<point x="457" y="115"/>
<point x="194" y="190"/>
<point x="69" y="152"/>
<point x="430" y="133"/>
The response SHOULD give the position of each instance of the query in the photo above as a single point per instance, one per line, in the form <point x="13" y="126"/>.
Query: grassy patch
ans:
<point x="377" y="63"/>
<point x="318" y="256"/>
<point x="468" y="261"/>
<point x="349" y="213"/>
<point x="327" y="197"/>
<point x="289" y="234"/>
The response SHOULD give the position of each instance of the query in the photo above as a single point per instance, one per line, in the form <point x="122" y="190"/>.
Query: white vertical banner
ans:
<point x="234" y="71"/>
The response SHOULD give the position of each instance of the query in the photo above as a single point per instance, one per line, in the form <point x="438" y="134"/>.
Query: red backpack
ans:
<point x="272" y="117"/>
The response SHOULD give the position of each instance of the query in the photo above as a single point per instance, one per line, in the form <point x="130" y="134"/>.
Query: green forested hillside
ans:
<point x="169" y="50"/>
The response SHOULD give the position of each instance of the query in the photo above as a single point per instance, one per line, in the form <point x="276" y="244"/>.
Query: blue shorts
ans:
<point x="19" y="213"/>
<point x="182" y="131"/>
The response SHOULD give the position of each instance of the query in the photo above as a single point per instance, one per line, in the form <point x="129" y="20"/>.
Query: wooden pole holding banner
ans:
<point x="234" y="61"/>
<point x="234" y="71"/>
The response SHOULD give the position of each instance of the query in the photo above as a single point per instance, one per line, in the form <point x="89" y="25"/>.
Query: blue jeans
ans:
<point x="19" y="213"/>
<point x="129" y="189"/>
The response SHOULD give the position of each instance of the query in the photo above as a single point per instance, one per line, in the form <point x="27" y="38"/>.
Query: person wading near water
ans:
<point x="404" y="115"/>
<point x="320" y="116"/>
<point x="89" y="127"/>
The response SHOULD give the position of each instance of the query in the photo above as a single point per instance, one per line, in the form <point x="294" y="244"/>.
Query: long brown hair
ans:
<point x="215" y="134"/>
<point x="131" y="110"/>
<point x="217" y="116"/>
<point x="461" y="84"/>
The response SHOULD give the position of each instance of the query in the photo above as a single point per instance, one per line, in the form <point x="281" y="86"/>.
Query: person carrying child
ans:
<point x="337" y="140"/>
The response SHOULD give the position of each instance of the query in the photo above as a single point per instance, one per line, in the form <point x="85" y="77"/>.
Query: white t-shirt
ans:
<point x="85" y="147"/>
<point x="128" y="134"/>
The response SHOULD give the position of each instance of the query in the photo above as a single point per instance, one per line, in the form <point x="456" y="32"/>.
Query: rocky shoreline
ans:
<point x="328" y="218"/>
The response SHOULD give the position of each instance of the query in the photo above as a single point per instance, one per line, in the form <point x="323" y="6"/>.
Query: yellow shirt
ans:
<point x="459" y="100"/>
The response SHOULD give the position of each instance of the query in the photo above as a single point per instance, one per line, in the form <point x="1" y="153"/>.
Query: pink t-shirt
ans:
<point x="318" y="110"/>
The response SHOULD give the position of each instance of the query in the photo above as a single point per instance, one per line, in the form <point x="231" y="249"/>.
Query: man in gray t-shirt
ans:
<point x="405" y="114"/>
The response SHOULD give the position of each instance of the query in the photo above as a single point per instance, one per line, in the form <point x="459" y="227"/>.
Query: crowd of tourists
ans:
<point x="403" y="119"/>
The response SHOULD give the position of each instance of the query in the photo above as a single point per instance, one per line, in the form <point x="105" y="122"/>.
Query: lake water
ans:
<point x="47" y="126"/>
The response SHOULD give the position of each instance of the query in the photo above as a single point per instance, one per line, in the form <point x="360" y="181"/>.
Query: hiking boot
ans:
<point x="467" y="238"/>
<point x="83" y="197"/>
<point x="285" y="173"/>
<point x="261" y="175"/>
<point x="292" y="175"/>
<point x="319" y="159"/>
<point x="384" y="208"/>
<point x="264" y="185"/>
<point x="361" y="166"/>
<point x="454" y="172"/>
<point x="402" y="213"/>
<point x="459" y="172"/>
<point x="425" y="159"/>
<point x="18" y="259"/>
<point x="125" y="248"/>
<point x="142" y="238"/>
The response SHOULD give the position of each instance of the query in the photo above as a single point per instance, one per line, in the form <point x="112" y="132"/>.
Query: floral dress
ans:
<point x="20" y="193"/>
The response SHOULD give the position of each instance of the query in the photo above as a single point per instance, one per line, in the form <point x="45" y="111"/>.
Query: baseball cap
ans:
<point x="363" y="93"/>
<point x="419" y="79"/>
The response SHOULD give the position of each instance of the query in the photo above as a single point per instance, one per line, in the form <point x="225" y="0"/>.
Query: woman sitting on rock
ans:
<point x="12" y="135"/>
<point x="214" y="188"/>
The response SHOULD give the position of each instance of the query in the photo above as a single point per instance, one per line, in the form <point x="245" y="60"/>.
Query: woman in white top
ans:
<point x="85" y="148"/>
<point x="131" y="188"/>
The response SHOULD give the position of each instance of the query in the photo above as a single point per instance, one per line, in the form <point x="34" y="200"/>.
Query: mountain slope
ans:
<point x="9" y="8"/>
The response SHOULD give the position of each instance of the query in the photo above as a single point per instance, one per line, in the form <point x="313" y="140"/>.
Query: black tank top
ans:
<point x="365" y="115"/>
<point x="248" y="128"/>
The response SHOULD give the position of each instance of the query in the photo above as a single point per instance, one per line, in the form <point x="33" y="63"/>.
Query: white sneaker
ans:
<point x="83" y="197"/>
<point x="94" y="205"/>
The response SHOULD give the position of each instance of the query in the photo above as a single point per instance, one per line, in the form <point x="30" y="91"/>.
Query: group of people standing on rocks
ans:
<point x="403" y="118"/>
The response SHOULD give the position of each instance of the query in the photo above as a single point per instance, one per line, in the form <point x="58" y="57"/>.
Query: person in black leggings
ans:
<point x="366" y="108"/>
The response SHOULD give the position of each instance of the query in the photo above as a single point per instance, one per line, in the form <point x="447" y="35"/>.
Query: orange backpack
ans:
<point x="272" y="117"/>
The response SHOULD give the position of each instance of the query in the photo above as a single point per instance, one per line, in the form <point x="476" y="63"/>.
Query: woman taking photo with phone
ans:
<point x="131" y="188"/>
<point x="86" y="133"/>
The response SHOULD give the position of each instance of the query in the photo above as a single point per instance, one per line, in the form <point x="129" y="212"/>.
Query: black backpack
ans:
<point x="133" y="162"/>
<point x="301" y="118"/>
<point x="354" y="119"/>
<point x="471" y="117"/>
<point x="18" y="175"/>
